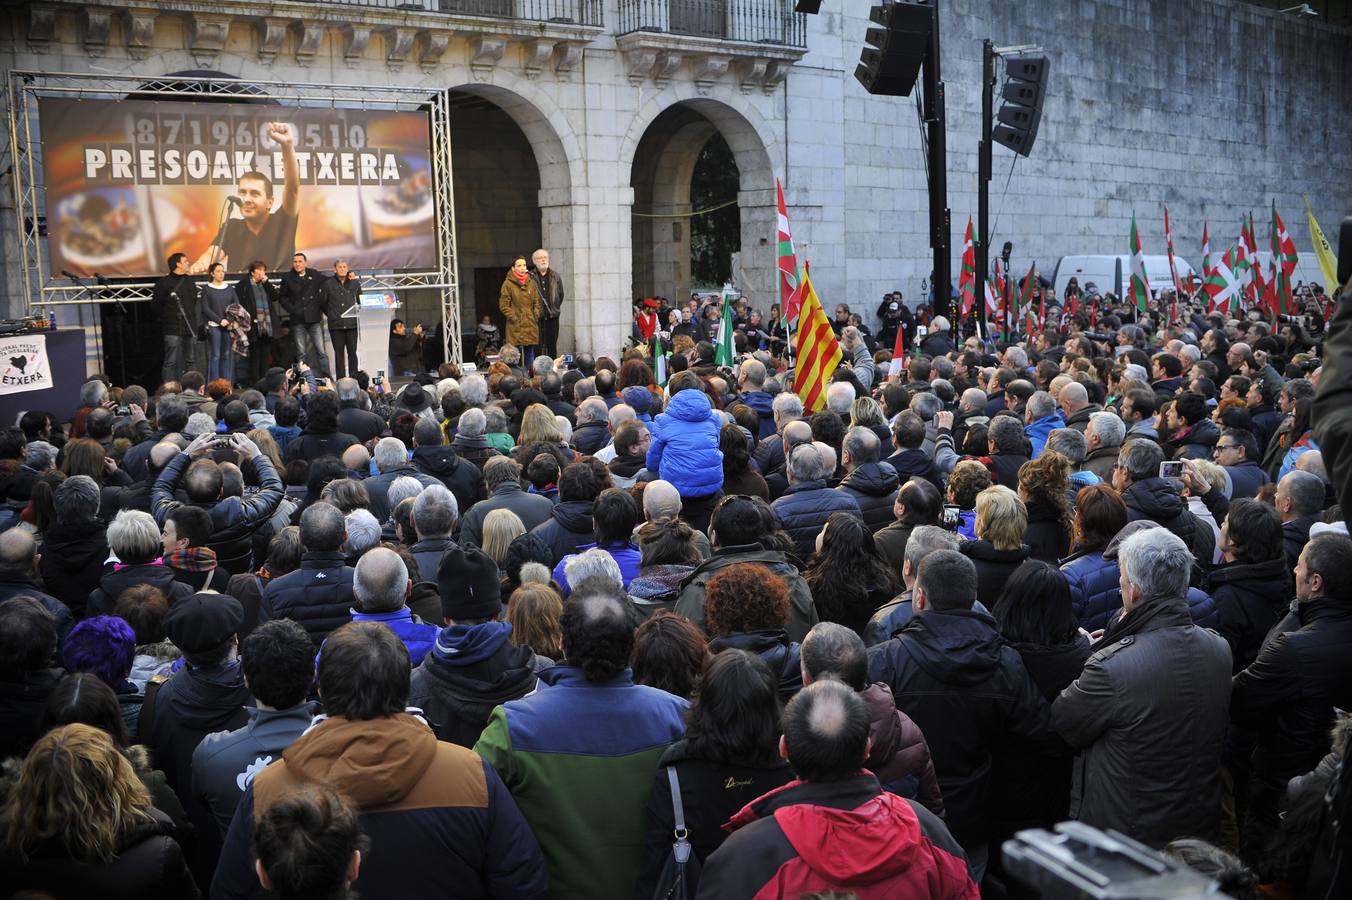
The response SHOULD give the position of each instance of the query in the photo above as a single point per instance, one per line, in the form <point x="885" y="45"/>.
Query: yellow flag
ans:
<point x="818" y="351"/>
<point x="1328" y="262"/>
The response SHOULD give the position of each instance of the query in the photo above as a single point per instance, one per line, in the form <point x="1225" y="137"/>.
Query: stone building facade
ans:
<point x="576" y="124"/>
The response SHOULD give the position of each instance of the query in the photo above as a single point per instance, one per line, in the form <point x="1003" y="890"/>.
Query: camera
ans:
<point x="951" y="517"/>
<point x="123" y="410"/>
<point x="921" y="331"/>
<point x="1171" y="469"/>
<point x="1099" y="337"/>
<point x="568" y="360"/>
<point x="380" y="378"/>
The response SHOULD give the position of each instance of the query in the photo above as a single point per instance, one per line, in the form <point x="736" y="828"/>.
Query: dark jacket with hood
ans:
<point x="104" y="598"/>
<point x="471" y="670"/>
<point x="1148" y="715"/>
<point x="233" y="519"/>
<point x="711" y="794"/>
<point x="802" y="612"/>
<point x="193" y="703"/>
<point x="1199" y="443"/>
<point x="1288" y="694"/>
<point x="318" y="595"/>
<point x="880" y="845"/>
<point x="993" y="567"/>
<point x="149" y="865"/>
<point x="874" y="487"/>
<point x="957" y="679"/>
<point x="764" y="405"/>
<point x="14" y="585"/>
<point x="590" y="437"/>
<point x="915" y="463"/>
<point x="899" y="755"/>
<point x="1004" y="468"/>
<point x="804" y="509"/>
<point x="72" y="562"/>
<point x="1246" y="479"/>
<point x="378" y="487"/>
<point x="779" y="653"/>
<point x="568" y="527"/>
<point x="1047" y="538"/>
<point x="1295" y="535"/>
<point x="313" y="443"/>
<point x="462" y="478"/>
<point x="1160" y="502"/>
<point x="1250" y="598"/>
<point x="440" y="821"/>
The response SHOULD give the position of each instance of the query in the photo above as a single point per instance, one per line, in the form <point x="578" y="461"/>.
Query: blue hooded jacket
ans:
<point x="418" y="637"/>
<point x="1039" y="430"/>
<point x="764" y="405"/>
<point x="685" y="450"/>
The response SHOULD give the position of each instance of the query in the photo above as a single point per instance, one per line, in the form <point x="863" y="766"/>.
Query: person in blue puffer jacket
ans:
<point x="685" y="450"/>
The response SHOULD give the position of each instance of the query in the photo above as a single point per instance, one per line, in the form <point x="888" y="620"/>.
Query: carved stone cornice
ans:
<point x="41" y="27"/>
<point x="206" y="34"/>
<point x="97" y="22"/>
<point x="138" y="30"/>
<point x="271" y="35"/>
<point x="657" y="55"/>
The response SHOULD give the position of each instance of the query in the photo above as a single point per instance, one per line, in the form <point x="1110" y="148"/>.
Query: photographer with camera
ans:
<point x="233" y="519"/>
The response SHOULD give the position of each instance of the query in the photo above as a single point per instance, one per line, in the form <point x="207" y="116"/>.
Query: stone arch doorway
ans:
<point x="512" y="183"/>
<point x="665" y="162"/>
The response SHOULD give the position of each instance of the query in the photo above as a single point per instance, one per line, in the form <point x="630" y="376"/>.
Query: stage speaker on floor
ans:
<point x="1021" y="111"/>
<point x="890" y="61"/>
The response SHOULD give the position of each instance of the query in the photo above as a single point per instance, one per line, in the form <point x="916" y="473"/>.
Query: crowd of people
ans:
<point x="553" y="629"/>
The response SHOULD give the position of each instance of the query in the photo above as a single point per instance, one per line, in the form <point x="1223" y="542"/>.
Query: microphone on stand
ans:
<point x="71" y="275"/>
<point x="234" y="201"/>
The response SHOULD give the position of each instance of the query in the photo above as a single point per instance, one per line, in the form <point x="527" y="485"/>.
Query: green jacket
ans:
<point x="802" y="613"/>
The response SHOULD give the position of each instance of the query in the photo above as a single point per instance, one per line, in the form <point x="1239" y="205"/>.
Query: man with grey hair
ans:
<point x="363" y="533"/>
<point x="92" y="394"/>
<point x="391" y="458"/>
<point x="41" y="456"/>
<point x="1160" y="500"/>
<point x="872" y="483"/>
<point x="381" y="587"/>
<point x="618" y="415"/>
<point x="1017" y="359"/>
<point x="435" y="514"/>
<point x="839" y="398"/>
<point x="1299" y="501"/>
<point x="1042" y="417"/>
<point x="1149" y="760"/>
<point x="891" y="617"/>
<point x="584" y="389"/>
<point x="318" y="595"/>
<point x="966" y="688"/>
<point x="808" y="502"/>
<point x="769" y="453"/>
<point x="751" y="383"/>
<point x="593" y="569"/>
<point x="502" y="476"/>
<point x="354" y="414"/>
<point x="541" y="366"/>
<point x="1103" y="437"/>
<point x="590" y="434"/>
<point x="927" y="405"/>
<point x="18" y="577"/>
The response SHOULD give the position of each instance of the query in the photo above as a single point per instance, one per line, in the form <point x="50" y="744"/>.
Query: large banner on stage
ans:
<point x="130" y="182"/>
<point x="23" y="364"/>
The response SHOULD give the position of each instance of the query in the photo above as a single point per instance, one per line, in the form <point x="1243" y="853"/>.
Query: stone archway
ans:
<point x="663" y="153"/>
<point x="513" y="180"/>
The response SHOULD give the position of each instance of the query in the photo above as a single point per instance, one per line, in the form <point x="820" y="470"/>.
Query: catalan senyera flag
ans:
<point x="789" y="298"/>
<point x="1139" y="290"/>
<point x="1323" y="251"/>
<point x="967" y="276"/>
<point x="817" y="350"/>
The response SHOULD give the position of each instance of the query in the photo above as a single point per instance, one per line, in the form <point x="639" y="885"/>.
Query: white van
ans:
<point x="1112" y="274"/>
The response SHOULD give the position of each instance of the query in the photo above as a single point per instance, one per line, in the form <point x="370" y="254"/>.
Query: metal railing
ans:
<point x="573" y="12"/>
<point x="753" y="21"/>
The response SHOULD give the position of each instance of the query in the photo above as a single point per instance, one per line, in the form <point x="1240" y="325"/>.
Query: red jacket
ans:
<point x="845" y="835"/>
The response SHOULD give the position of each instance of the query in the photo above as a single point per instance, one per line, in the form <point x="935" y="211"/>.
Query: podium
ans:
<point x="374" y="312"/>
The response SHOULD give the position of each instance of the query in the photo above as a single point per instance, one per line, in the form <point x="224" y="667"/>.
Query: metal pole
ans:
<point x="938" y="187"/>
<point x="983" y="183"/>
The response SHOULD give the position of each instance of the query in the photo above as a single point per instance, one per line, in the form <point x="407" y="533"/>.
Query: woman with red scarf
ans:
<point x="519" y="301"/>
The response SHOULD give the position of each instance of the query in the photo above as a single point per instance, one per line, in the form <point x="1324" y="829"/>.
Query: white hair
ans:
<point x="390" y="453"/>
<point x="565" y="428"/>
<point x="1158" y="562"/>
<point x="471" y="423"/>
<point x="840" y="397"/>
<point x="1016" y="358"/>
<point x="593" y="565"/>
<point x="363" y="532"/>
<point x="401" y="489"/>
<point x="473" y="390"/>
<point x="619" y="414"/>
<point x="939" y="324"/>
<point x="787" y="405"/>
<point x="445" y="386"/>
<point x="1111" y="430"/>
<point x="593" y="409"/>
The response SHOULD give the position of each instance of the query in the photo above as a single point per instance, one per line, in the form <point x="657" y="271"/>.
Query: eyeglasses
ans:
<point x="1220" y="447"/>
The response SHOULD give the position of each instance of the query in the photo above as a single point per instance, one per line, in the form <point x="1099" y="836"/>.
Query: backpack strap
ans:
<point x="682" y="847"/>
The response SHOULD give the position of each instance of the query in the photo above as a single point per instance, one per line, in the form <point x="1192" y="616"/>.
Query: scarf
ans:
<point x="1135" y="621"/>
<point x="520" y="279"/>
<point x="193" y="559"/>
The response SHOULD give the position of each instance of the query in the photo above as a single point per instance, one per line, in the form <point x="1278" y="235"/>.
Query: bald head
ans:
<point x="16" y="549"/>
<point x="826" y="731"/>
<point x="356" y="458"/>
<point x="161" y="453"/>
<point x="795" y="433"/>
<point x="661" y="500"/>
<point x="1073" y="397"/>
<point x="828" y="455"/>
<point x="1312" y="461"/>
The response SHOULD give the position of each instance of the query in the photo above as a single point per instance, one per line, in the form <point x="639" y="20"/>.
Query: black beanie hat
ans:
<point x="467" y="580"/>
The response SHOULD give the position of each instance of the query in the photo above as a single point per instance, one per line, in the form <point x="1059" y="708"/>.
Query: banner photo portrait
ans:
<point x="129" y="182"/>
<point x="24" y="365"/>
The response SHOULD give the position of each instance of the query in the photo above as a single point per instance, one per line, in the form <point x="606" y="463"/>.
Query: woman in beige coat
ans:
<point x="519" y="301"/>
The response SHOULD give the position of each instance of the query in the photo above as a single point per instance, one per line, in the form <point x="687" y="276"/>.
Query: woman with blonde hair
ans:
<point x="534" y="611"/>
<point x="866" y="412"/>
<point x="540" y="434"/>
<point x="79" y="823"/>
<point x="1001" y="522"/>
<point x="500" y="528"/>
<point x="268" y="444"/>
<point x="1042" y="488"/>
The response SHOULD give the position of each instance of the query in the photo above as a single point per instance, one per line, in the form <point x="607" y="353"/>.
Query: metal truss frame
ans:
<point x="42" y="291"/>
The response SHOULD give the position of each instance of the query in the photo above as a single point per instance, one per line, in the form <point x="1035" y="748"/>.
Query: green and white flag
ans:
<point x="1139" y="292"/>
<point x="659" y="360"/>
<point x="726" y="352"/>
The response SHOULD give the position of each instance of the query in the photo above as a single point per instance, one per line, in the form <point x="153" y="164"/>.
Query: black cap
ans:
<point x="467" y="580"/>
<point x="203" y="621"/>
